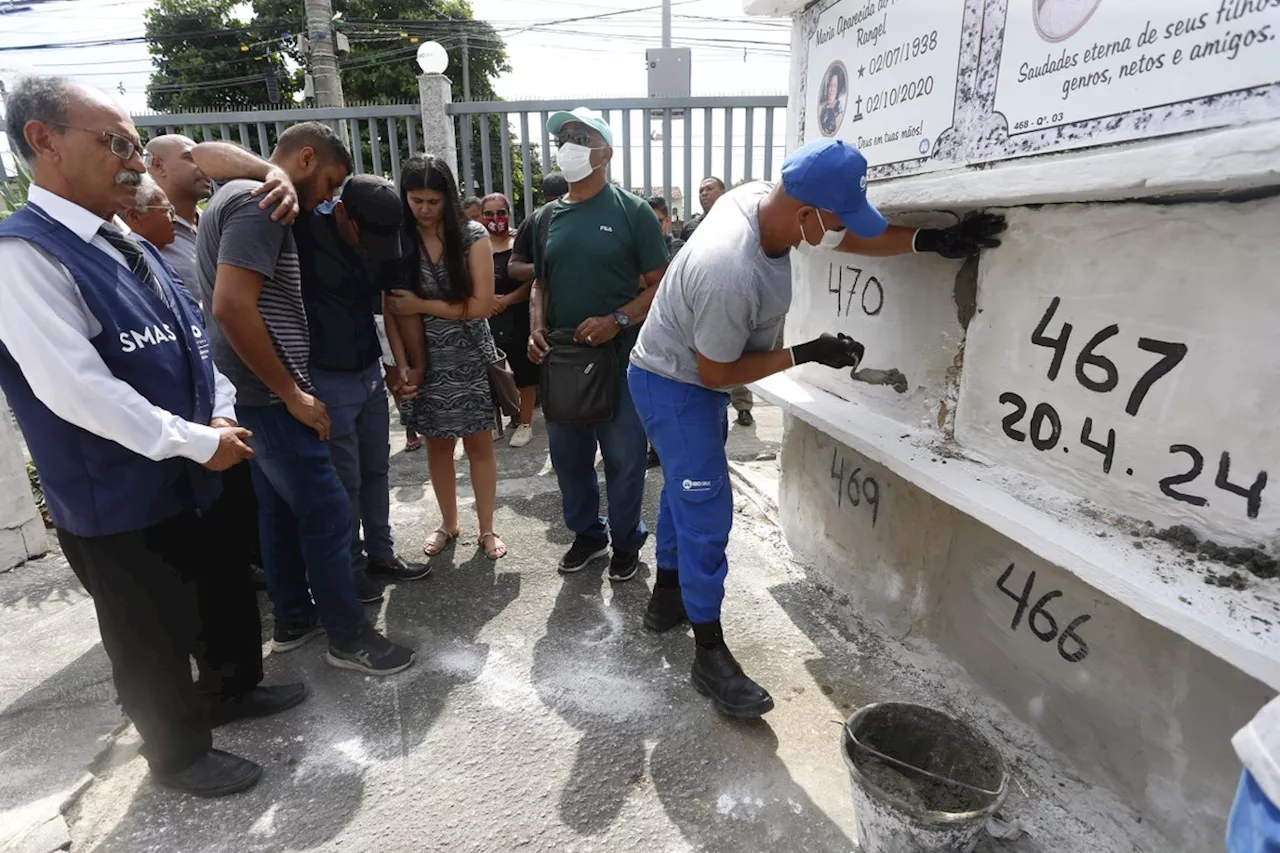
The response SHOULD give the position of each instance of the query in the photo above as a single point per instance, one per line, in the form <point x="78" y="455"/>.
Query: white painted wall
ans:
<point x="22" y="533"/>
<point x="1199" y="276"/>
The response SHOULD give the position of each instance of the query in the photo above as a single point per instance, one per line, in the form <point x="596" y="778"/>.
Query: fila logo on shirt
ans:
<point x="132" y="340"/>
<point x="697" y="485"/>
<point x="608" y="228"/>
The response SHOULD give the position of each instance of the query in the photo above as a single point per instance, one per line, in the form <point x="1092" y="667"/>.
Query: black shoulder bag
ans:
<point x="580" y="384"/>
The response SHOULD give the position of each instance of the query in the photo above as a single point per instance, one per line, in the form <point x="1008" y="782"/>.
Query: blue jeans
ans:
<point x="1254" y="825"/>
<point x="360" y="447"/>
<point x="304" y="520"/>
<point x="688" y="425"/>
<point x="625" y="450"/>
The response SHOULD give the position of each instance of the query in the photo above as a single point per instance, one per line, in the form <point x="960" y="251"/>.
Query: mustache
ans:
<point x="124" y="176"/>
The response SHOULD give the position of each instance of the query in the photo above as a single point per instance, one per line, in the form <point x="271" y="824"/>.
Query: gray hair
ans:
<point x="34" y="98"/>
<point x="149" y="193"/>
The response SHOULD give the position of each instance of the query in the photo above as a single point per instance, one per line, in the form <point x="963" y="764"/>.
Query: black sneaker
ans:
<point x="288" y="636"/>
<point x="397" y="569"/>
<point x="745" y="419"/>
<point x="624" y="565"/>
<point x="582" y="552"/>
<point x="367" y="590"/>
<point x="372" y="654"/>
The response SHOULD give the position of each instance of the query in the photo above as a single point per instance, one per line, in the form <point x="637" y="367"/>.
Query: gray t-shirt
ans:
<point x="181" y="254"/>
<point x="721" y="296"/>
<point x="235" y="231"/>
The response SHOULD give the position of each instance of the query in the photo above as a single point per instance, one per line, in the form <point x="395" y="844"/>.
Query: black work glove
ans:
<point x="975" y="233"/>
<point x="831" y="350"/>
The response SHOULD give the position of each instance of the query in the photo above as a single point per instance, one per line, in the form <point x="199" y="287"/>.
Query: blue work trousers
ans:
<point x="304" y="521"/>
<point x="625" y="451"/>
<point x="1254" y="825"/>
<point x="688" y="426"/>
<point x="360" y="446"/>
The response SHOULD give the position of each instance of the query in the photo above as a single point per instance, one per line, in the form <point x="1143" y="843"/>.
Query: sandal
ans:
<point x="499" y="549"/>
<point x="438" y="541"/>
<point x="410" y="446"/>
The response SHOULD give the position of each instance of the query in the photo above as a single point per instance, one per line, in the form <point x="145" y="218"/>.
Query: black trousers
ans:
<point x="164" y="594"/>
<point x="235" y="516"/>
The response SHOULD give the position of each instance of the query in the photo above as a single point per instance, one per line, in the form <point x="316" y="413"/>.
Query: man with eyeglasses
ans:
<point x="151" y="215"/>
<point x="597" y="271"/>
<point x="106" y="364"/>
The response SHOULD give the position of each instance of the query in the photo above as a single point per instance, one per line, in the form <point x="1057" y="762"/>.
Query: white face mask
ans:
<point x="830" y="239"/>
<point x="574" y="161"/>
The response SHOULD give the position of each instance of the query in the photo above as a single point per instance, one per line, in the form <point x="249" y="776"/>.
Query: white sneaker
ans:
<point x="522" y="436"/>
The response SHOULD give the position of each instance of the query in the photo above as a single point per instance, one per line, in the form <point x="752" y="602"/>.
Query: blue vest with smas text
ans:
<point x="93" y="486"/>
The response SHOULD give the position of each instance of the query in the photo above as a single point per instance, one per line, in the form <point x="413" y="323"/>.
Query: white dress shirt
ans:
<point x="47" y="328"/>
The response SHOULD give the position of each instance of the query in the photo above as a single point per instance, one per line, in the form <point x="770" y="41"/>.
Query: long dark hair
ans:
<point x="432" y="173"/>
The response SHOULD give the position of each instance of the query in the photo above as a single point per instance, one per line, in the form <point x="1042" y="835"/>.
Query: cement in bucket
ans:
<point x="923" y="782"/>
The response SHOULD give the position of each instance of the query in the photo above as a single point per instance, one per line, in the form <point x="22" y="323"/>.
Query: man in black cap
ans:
<point x="347" y="249"/>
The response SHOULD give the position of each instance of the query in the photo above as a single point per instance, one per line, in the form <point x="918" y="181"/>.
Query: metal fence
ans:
<point x="661" y="145"/>
<point x="688" y="139"/>
<point x="381" y="137"/>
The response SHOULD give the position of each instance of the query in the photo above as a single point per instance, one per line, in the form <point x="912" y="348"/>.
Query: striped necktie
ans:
<point x="135" y="259"/>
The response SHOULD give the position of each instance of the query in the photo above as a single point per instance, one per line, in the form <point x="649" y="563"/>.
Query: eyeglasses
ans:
<point x="577" y="137"/>
<point x="169" y="209"/>
<point x="121" y="146"/>
<point x="493" y="214"/>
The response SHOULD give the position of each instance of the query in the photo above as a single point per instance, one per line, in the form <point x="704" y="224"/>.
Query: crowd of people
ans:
<point x="203" y="385"/>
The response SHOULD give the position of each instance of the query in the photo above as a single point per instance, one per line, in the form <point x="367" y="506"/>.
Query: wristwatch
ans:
<point x="621" y="319"/>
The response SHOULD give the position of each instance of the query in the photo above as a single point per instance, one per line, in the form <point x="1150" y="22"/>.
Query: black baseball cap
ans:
<point x="373" y="203"/>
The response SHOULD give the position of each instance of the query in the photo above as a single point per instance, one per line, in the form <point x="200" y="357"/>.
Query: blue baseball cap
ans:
<point x="831" y="174"/>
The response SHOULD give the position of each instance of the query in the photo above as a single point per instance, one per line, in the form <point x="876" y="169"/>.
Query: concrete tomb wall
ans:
<point x="1055" y="463"/>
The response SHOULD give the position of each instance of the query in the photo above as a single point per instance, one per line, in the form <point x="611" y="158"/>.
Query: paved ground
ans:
<point x="540" y="716"/>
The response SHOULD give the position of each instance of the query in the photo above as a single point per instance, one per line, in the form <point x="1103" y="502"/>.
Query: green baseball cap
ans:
<point x="591" y="118"/>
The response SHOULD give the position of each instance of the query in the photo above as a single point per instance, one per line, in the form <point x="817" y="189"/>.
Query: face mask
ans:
<point x="575" y="162"/>
<point x="830" y="239"/>
<point x="498" y="224"/>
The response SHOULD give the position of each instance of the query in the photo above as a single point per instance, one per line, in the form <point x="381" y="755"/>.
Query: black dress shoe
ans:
<point x="214" y="774"/>
<point x="397" y="569"/>
<point x="745" y="419"/>
<point x="665" y="610"/>
<point x="367" y="590"/>
<point x="717" y="675"/>
<point x="261" y="701"/>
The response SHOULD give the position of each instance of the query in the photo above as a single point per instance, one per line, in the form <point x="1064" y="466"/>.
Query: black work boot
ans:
<point x="717" y="675"/>
<point x="666" y="605"/>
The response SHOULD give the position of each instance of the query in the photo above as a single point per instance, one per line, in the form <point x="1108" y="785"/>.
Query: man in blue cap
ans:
<point x="712" y="326"/>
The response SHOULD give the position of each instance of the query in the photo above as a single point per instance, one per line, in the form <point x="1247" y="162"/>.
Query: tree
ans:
<point x="206" y="58"/>
<point x="199" y="47"/>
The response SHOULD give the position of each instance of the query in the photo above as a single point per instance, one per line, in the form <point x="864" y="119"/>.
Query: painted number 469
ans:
<point x="1041" y="622"/>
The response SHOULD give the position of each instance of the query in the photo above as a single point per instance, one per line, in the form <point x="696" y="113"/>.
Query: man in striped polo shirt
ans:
<point x="250" y="283"/>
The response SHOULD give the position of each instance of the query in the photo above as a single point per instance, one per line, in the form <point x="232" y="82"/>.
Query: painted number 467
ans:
<point x="1041" y="622"/>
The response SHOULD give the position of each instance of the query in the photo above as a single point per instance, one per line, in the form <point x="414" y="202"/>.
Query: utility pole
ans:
<point x="324" y="59"/>
<point x="666" y="23"/>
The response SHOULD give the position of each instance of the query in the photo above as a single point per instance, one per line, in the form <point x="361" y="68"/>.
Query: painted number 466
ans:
<point x="1041" y="622"/>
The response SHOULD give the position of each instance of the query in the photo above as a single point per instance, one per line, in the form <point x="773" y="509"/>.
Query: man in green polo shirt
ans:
<point x="603" y="257"/>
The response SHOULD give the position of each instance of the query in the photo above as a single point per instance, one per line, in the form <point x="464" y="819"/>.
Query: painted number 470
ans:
<point x="1039" y="620"/>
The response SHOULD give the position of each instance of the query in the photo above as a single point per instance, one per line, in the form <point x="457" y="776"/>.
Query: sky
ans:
<point x="732" y="54"/>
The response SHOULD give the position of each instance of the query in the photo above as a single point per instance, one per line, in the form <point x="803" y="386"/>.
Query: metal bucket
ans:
<point x="923" y="782"/>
